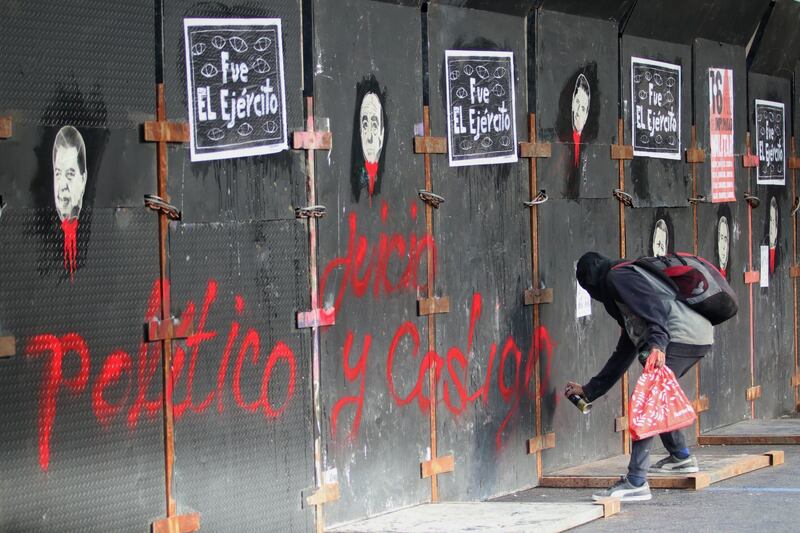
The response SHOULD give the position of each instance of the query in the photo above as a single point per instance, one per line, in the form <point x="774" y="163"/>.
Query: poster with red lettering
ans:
<point x="720" y="101"/>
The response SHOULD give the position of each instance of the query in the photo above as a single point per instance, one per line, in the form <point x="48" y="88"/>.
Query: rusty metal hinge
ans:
<point x="312" y="211"/>
<point x="158" y="204"/>
<point x="165" y="131"/>
<point x="433" y="200"/>
<point x="541" y="442"/>
<point x="436" y="466"/>
<point x="8" y="346"/>
<point x="539" y="199"/>
<point x="6" y="129"/>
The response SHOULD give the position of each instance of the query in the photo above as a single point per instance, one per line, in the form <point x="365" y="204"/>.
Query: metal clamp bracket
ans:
<point x="621" y="152"/>
<point x="794" y="163"/>
<point x="753" y="393"/>
<point x="185" y="523"/>
<point x="541" y="442"/>
<point x="749" y="161"/>
<point x="752" y="276"/>
<point x="538" y="296"/>
<point x="328" y="492"/>
<point x="431" y="306"/>
<point x="699" y="199"/>
<point x="316" y="318"/>
<point x="439" y="465"/>
<point x="156" y="203"/>
<point x="158" y="330"/>
<point x="6" y="129"/>
<point x="430" y="145"/>
<point x="433" y="200"/>
<point x="621" y="424"/>
<point x="701" y="404"/>
<point x="8" y="346"/>
<point x="794" y="271"/>
<point x="534" y="150"/>
<point x="540" y="198"/>
<point x="165" y="131"/>
<point x="795" y="206"/>
<point x="312" y="211"/>
<point x="753" y="201"/>
<point x="695" y="155"/>
<point x="623" y="197"/>
<point x="312" y="140"/>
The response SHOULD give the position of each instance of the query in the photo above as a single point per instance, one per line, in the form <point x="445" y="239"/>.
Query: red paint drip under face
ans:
<point x="772" y="259"/>
<point x="70" y="228"/>
<point x="576" y="139"/>
<point x="724" y="272"/>
<point x="372" y="172"/>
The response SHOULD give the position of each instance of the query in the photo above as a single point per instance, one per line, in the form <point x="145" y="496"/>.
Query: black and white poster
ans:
<point x="770" y="143"/>
<point x="481" y="125"/>
<point x="656" y="102"/>
<point x="235" y="84"/>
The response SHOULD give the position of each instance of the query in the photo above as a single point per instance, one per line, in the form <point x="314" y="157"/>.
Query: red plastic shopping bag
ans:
<point x="658" y="404"/>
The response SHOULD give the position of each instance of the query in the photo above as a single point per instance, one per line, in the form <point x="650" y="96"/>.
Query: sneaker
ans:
<point x="673" y="465"/>
<point x="626" y="492"/>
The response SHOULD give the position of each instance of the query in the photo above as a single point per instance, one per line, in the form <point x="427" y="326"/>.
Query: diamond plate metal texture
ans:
<point x="99" y="477"/>
<point x="87" y="63"/>
<point x="243" y="470"/>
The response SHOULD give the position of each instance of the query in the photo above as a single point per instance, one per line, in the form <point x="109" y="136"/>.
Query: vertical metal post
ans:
<point x="626" y="441"/>
<point x="166" y="344"/>
<point x="426" y="125"/>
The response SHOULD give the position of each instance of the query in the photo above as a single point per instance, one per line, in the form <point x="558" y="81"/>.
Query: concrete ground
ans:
<point x="765" y="500"/>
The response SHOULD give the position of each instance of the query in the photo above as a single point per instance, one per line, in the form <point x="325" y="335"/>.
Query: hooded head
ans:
<point x="591" y="273"/>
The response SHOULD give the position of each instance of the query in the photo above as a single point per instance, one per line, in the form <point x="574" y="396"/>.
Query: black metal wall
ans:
<point x="80" y="402"/>
<point x="82" y="445"/>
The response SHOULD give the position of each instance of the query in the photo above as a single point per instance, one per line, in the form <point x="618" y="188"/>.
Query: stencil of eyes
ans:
<point x="371" y="121"/>
<point x="581" y="98"/>
<point x="773" y="223"/>
<point x="660" y="238"/>
<point x="723" y="242"/>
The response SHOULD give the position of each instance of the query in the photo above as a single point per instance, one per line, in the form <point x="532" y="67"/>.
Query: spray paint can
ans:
<point x="581" y="403"/>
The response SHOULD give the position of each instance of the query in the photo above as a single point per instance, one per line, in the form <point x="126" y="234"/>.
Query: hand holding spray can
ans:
<point x="581" y="403"/>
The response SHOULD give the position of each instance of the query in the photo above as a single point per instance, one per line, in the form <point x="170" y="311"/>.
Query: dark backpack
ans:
<point x="697" y="283"/>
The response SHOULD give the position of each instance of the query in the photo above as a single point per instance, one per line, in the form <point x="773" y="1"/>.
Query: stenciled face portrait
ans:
<point x="371" y="122"/>
<point x="660" y="238"/>
<point x="773" y="223"/>
<point x="69" y="172"/>
<point x="723" y="242"/>
<point x="581" y="97"/>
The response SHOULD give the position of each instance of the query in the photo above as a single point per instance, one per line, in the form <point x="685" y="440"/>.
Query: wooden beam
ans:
<point x="165" y="131"/>
<point x="6" y="129"/>
<point x="184" y="523"/>
<point x="541" y="442"/>
<point x="611" y="506"/>
<point x="8" y="346"/>
<point x="621" y="152"/>
<point x="436" y="466"/>
<point x="430" y="145"/>
<point x="535" y="150"/>
<point x="538" y="296"/>
<point x="432" y="306"/>
<point x="753" y="393"/>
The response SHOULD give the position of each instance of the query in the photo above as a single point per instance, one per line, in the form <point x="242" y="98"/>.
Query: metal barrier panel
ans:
<point x="239" y="275"/>
<point x="577" y="98"/>
<point x="773" y="308"/>
<point x="483" y="267"/>
<point x="82" y="445"/>
<point x="576" y="348"/>
<point x="372" y="256"/>
<point x="723" y="239"/>
<point x="657" y="182"/>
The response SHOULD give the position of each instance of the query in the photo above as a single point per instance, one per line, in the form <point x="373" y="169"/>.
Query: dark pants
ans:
<point x="673" y="441"/>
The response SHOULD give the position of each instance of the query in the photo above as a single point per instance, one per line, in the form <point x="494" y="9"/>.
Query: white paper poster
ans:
<point x="656" y="108"/>
<point x="481" y="123"/>
<point x="720" y="100"/>
<point x="235" y="85"/>
<point x="764" y="274"/>
<point x="583" y="303"/>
